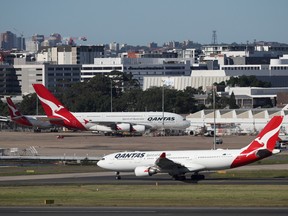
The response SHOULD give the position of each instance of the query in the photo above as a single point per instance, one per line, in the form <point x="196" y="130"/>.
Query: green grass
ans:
<point x="140" y="195"/>
<point x="47" y="169"/>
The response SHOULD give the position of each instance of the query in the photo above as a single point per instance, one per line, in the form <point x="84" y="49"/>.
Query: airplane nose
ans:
<point x="100" y="163"/>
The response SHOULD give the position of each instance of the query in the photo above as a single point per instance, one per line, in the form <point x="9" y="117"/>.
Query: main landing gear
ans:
<point x="197" y="177"/>
<point x="117" y="177"/>
<point x="179" y="177"/>
<point x="194" y="177"/>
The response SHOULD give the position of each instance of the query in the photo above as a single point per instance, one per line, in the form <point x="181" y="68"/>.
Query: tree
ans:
<point x="29" y="105"/>
<point x="3" y="109"/>
<point x="232" y="102"/>
<point x="247" y="81"/>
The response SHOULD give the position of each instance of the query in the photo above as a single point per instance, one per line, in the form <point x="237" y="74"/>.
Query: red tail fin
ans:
<point x="262" y="146"/>
<point x="15" y="114"/>
<point x="54" y="108"/>
<point x="49" y="102"/>
<point x="268" y="136"/>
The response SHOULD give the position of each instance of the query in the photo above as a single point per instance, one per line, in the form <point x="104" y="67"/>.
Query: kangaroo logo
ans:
<point x="54" y="108"/>
<point x="263" y="141"/>
<point x="15" y="112"/>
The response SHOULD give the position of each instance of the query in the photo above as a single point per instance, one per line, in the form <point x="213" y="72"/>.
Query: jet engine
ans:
<point x="138" y="128"/>
<point x="145" y="171"/>
<point x="192" y="133"/>
<point x="123" y="127"/>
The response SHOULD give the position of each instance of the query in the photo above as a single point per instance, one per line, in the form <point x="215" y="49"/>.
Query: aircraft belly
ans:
<point x="215" y="164"/>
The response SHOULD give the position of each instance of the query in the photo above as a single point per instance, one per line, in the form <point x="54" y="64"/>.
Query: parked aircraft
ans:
<point x="107" y="121"/>
<point x="37" y="122"/>
<point x="178" y="163"/>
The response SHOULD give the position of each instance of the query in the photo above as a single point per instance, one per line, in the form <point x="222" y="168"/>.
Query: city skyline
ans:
<point x="141" y="22"/>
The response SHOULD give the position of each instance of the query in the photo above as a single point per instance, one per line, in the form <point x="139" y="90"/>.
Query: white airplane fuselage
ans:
<point x="207" y="159"/>
<point x="151" y="120"/>
<point x="36" y="122"/>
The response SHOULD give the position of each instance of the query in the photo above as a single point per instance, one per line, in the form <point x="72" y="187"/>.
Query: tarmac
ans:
<point x="94" y="145"/>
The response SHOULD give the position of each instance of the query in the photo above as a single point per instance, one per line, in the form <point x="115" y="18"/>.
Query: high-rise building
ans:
<point x="9" y="41"/>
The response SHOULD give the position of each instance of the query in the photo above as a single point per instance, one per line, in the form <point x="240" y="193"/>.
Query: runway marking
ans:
<point x="85" y="211"/>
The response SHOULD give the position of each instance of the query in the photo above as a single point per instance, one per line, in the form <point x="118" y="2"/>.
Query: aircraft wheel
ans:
<point x="117" y="177"/>
<point x="179" y="177"/>
<point x="197" y="177"/>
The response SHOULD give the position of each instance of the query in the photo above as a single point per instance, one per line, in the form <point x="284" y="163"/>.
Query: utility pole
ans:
<point x="214" y="116"/>
<point x="163" y="108"/>
<point x="111" y="95"/>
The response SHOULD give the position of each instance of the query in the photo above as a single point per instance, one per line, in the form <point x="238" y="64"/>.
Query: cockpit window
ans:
<point x="103" y="158"/>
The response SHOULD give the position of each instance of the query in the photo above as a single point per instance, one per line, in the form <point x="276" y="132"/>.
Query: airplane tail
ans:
<point x="55" y="110"/>
<point x="262" y="146"/>
<point x="13" y="111"/>
<point x="49" y="102"/>
<point x="15" y="114"/>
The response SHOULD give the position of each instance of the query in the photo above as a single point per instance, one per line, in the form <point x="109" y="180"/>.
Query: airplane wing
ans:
<point x="163" y="163"/>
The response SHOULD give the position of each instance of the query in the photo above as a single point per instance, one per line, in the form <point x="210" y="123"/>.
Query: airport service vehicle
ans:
<point x="178" y="163"/>
<point x="107" y="121"/>
<point x="37" y="122"/>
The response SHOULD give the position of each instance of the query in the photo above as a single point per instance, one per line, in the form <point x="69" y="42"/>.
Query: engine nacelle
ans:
<point x="144" y="171"/>
<point x="123" y="127"/>
<point x="192" y="133"/>
<point x="138" y="128"/>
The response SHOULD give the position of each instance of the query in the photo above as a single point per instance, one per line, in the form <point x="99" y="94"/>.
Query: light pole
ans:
<point x="163" y="108"/>
<point x="111" y="95"/>
<point x="214" y="116"/>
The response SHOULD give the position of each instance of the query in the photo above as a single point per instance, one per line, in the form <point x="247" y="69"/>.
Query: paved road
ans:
<point x="130" y="179"/>
<point x="111" y="211"/>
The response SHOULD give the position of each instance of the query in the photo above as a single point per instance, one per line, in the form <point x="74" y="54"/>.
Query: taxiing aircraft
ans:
<point x="37" y="122"/>
<point x="107" y="121"/>
<point x="178" y="163"/>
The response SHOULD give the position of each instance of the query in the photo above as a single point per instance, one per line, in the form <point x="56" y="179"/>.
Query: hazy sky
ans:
<point x="140" y="22"/>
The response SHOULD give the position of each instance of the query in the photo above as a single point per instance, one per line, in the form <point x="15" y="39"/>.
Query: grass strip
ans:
<point x="143" y="195"/>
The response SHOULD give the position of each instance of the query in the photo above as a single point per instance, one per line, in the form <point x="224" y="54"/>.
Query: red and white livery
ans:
<point x="178" y="163"/>
<point x="37" y="122"/>
<point x="106" y="121"/>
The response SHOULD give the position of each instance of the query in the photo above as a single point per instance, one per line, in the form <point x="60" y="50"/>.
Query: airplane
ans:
<point x="107" y="121"/>
<point x="178" y="163"/>
<point x="37" y="122"/>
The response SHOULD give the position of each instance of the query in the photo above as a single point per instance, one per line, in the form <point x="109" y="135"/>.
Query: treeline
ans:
<point x="127" y="96"/>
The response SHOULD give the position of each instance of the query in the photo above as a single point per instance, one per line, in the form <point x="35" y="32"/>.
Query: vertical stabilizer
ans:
<point x="55" y="110"/>
<point x="15" y="114"/>
<point x="262" y="146"/>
